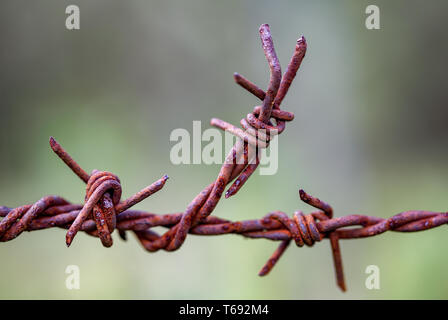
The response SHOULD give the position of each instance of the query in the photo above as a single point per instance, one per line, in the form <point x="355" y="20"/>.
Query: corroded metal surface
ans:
<point x="103" y="210"/>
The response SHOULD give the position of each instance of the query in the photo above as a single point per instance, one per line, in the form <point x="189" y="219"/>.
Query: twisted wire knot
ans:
<point x="302" y="227"/>
<point x="102" y="201"/>
<point x="103" y="193"/>
<point x="304" y="230"/>
<point x="264" y="131"/>
<point x="256" y="132"/>
<point x="106" y="182"/>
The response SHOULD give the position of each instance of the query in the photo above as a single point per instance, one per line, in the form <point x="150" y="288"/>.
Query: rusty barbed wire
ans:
<point x="277" y="226"/>
<point x="103" y="211"/>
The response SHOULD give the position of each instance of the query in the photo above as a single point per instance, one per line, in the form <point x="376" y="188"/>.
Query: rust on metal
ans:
<point x="103" y="210"/>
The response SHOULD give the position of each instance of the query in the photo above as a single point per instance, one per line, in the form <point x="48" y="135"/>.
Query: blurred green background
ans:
<point x="369" y="137"/>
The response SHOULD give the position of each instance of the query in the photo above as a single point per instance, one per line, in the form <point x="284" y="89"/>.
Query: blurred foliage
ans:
<point x="369" y="137"/>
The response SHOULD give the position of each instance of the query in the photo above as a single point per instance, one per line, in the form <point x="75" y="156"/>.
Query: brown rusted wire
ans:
<point x="103" y="212"/>
<point x="53" y="211"/>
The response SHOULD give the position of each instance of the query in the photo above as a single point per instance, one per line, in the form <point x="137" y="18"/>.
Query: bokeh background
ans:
<point x="370" y="137"/>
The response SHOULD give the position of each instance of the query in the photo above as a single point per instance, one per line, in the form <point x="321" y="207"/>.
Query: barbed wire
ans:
<point x="103" y="211"/>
